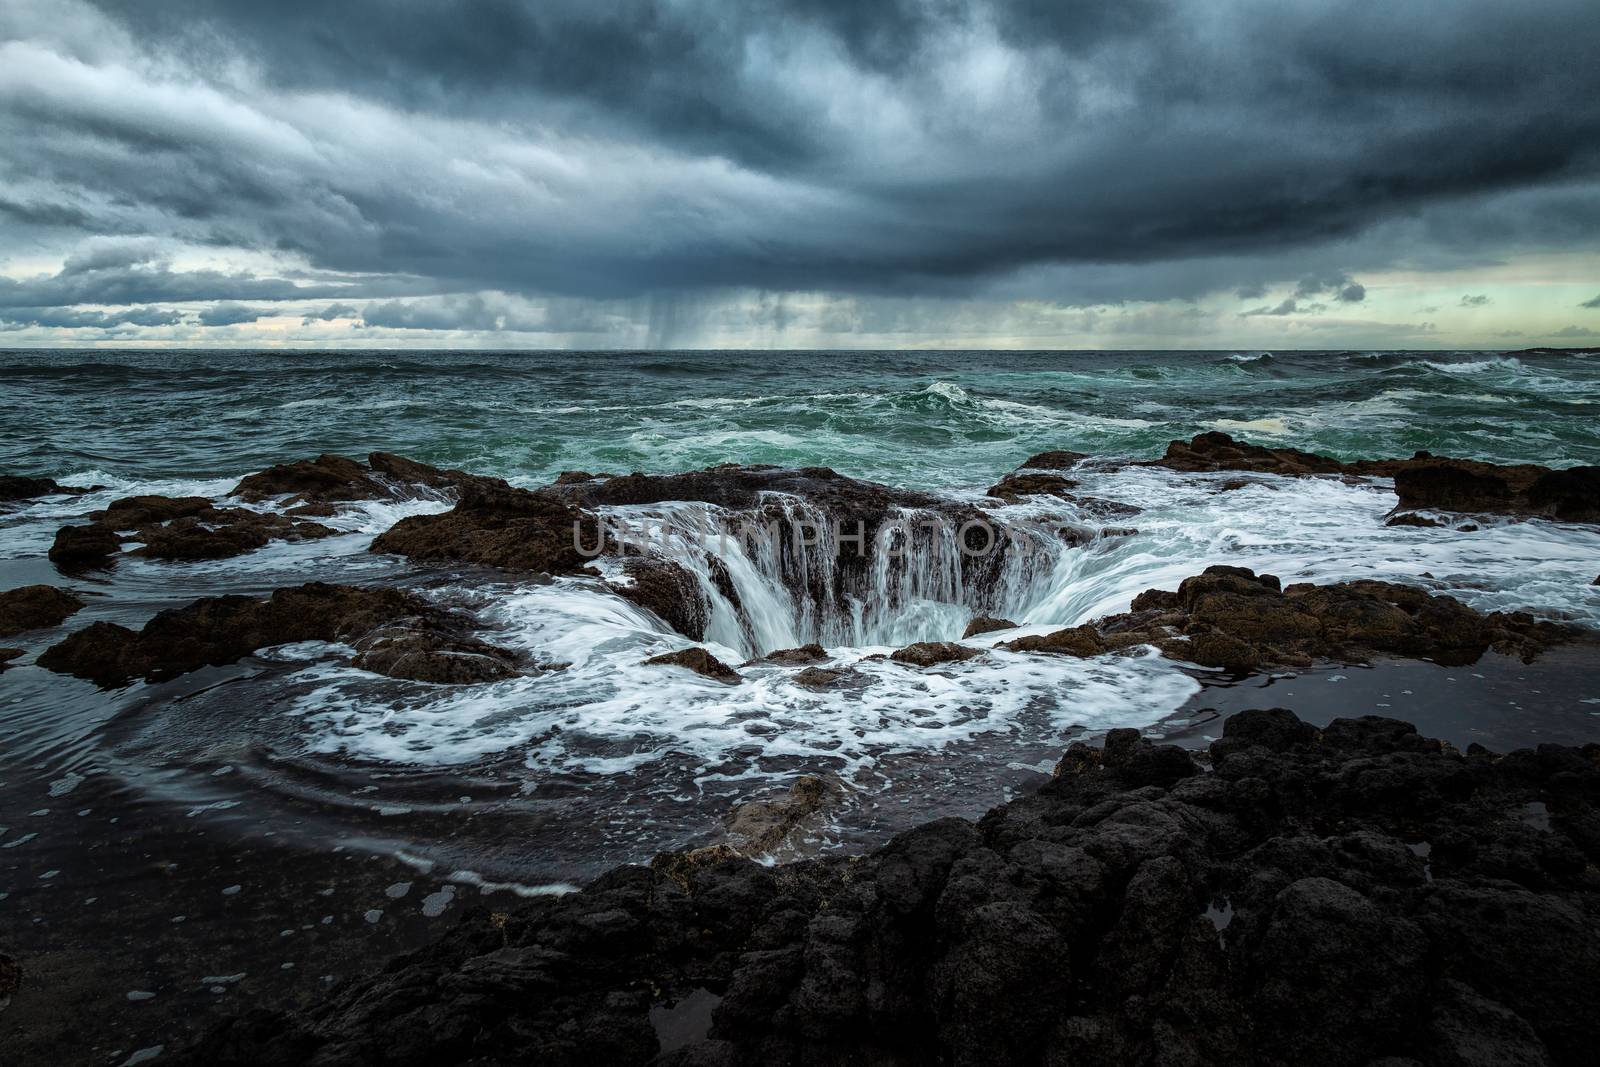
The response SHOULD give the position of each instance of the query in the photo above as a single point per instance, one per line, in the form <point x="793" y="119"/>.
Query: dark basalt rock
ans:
<point x="792" y="657"/>
<point x="91" y="545"/>
<point x="424" y="654"/>
<point x="1411" y="518"/>
<point x="36" y="607"/>
<point x="1020" y="484"/>
<point x="178" y="528"/>
<point x="495" y="525"/>
<point x="1233" y="618"/>
<point x="9" y="654"/>
<point x="330" y="478"/>
<point x="1058" y="460"/>
<point x="827" y="679"/>
<point x="984" y="625"/>
<point x="668" y="590"/>
<point x="700" y="661"/>
<point x="18" y="487"/>
<point x="1424" y="482"/>
<point x="219" y="630"/>
<point x="933" y="653"/>
<point x="1277" y="910"/>
<point x="1074" y="641"/>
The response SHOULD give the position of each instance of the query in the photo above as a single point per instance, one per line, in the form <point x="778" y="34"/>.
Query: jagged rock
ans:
<point x="933" y="653"/>
<point x="1424" y="482"/>
<point x="35" y="607"/>
<point x="7" y="655"/>
<point x="670" y="591"/>
<point x="423" y="654"/>
<point x="1067" y="926"/>
<point x="984" y="625"/>
<point x="757" y="827"/>
<point x="496" y="525"/>
<point x="178" y="528"/>
<point x="1234" y="618"/>
<point x="331" y="478"/>
<point x="84" y="546"/>
<point x="1217" y="451"/>
<point x="1074" y="641"/>
<point x="700" y="661"/>
<point x="18" y="487"/>
<point x="219" y="630"/>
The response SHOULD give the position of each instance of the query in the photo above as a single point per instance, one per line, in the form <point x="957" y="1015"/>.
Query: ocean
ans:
<point x="607" y="760"/>
<point x="292" y="811"/>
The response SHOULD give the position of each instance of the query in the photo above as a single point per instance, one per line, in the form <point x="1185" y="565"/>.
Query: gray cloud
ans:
<point x="411" y="155"/>
<point x="232" y="314"/>
<point x="67" y="318"/>
<point x="1595" y="303"/>
<point x="1481" y="300"/>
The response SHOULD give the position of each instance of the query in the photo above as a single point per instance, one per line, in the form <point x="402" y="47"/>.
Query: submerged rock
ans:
<point x="759" y="827"/>
<point x="36" y="607"/>
<point x="825" y="679"/>
<point x="1411" y="518"/>
<point x="9" y="654"/>
<point x="218" y="630"/>
<point x="427" y="654"/>
<point x="700" y="661"/>
<point x="1133" y="910"/>
<point x="933" y="653"/>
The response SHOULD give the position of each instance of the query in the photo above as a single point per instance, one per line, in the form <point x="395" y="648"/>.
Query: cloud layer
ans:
<point x="566" y="167"/>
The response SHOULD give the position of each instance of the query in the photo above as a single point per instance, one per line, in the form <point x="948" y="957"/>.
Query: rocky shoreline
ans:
<point x="1350" y="895"/>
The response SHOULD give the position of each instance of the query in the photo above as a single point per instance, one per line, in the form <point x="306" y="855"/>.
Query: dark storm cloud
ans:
<point x="612" y="150"/>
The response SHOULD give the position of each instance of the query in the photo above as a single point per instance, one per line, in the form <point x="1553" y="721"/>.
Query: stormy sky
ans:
<point x="794" y="173"/>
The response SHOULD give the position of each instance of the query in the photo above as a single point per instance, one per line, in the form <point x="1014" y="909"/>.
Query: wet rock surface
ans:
<point x="1423" y="482"/>
<point x="219" y="630"/>
<point x="35" y="607"/>
<point x="21" y="487"/>
<point x="427" y="653"/>
<point x="760" y="827"/>
<point x="1233" y="618"/>
<point x="331" y="478"/>
<point x="700" y="662"/>
<point x="934" y="653"/>
<point x="496" y="525"/>
<point x="671" y="592"/>
<point x="984" y="625"/>
<point x="177" y="528"/>
<point x="1348" y="895"/>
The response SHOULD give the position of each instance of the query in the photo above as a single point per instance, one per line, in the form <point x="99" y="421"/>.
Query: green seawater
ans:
<point x="919" y="419"/>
